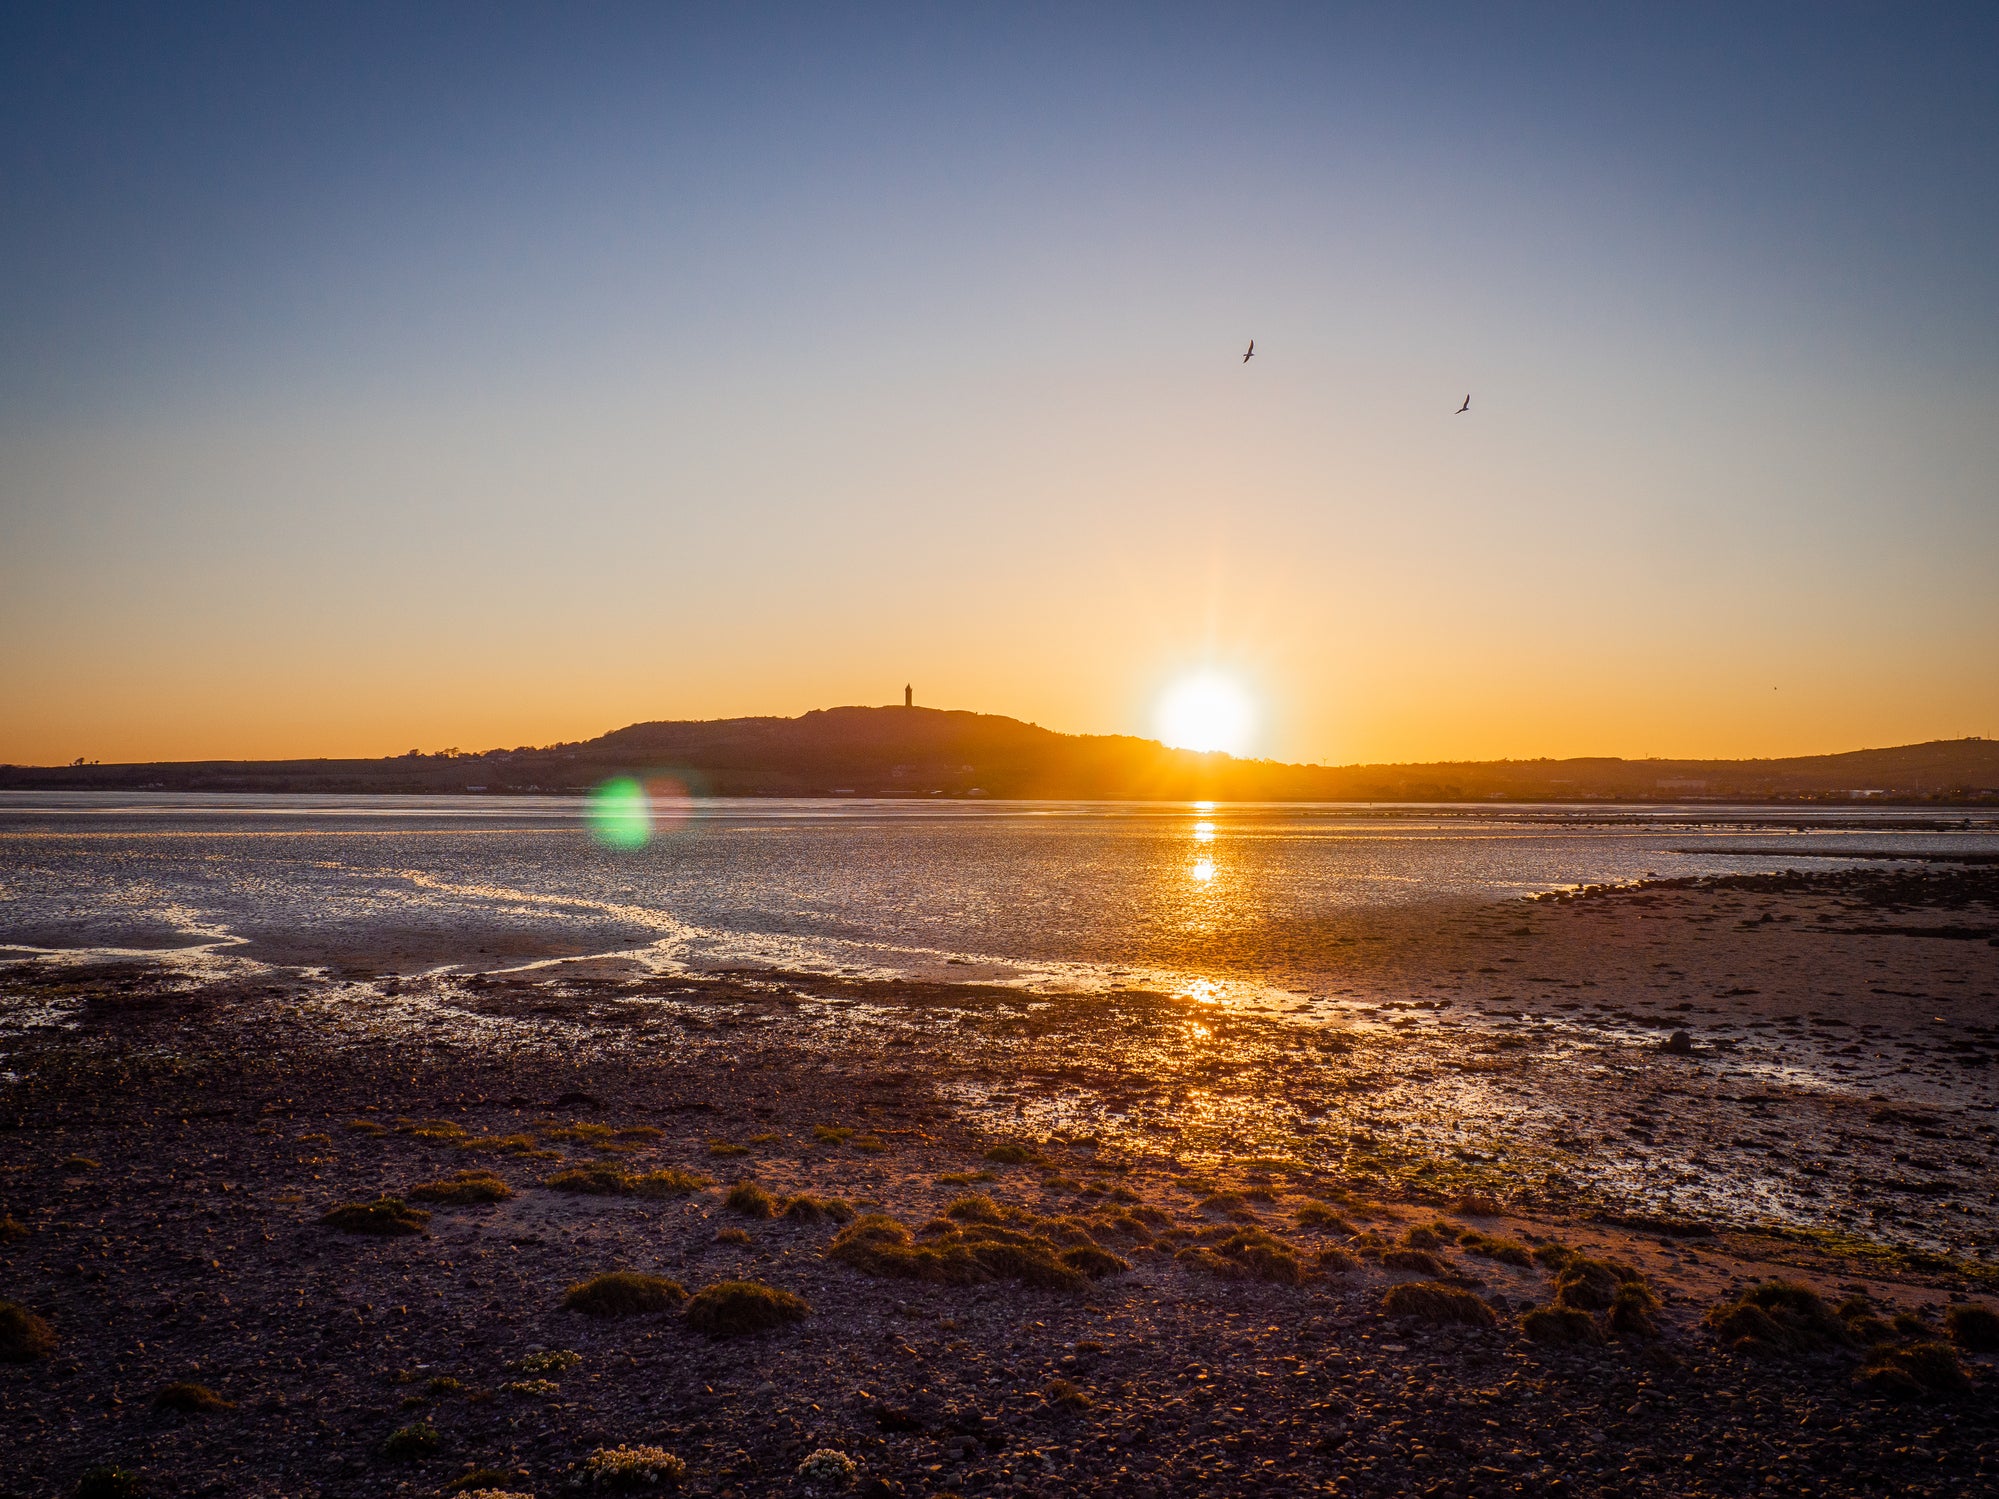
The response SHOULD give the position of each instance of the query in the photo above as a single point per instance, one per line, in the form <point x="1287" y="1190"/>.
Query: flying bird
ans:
<point x="1252" y="350"/>
<point x="1464" y="408"/>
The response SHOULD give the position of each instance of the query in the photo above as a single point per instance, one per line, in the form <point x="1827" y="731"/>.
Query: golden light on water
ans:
<point x="1204" y="832"/>
<point x="1203" y="870"/>
<point x="1207" y="711"/>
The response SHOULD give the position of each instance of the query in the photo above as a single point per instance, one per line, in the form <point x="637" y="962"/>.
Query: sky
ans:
<point x="424" y="376"/>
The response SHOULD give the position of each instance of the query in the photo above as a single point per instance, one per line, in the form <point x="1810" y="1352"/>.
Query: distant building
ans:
<point x="909" y="697"/>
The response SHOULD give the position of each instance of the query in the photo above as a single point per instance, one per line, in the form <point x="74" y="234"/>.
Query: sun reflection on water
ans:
<point x="1203" y="870"/>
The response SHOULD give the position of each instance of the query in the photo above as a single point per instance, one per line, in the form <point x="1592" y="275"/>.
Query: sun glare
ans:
<point x="1207" y="712"/>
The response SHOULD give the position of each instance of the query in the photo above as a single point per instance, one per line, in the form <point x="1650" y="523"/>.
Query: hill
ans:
<point x="933" y="752"/>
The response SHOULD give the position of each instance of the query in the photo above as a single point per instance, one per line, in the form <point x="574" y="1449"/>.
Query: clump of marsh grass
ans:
<point x="732" y="1236"/>
<point x="806" y="1208"/>
<point x="1553" y="1256"/>
<point x="385" y="1217"/>
<point x="624" y="1469"/>
<point x="432" y="1131"/>
<point x="526" y="1147"/>
<point x="1975" y="1328"/>
<point x="366" y="1127"/>
<point x="751" y="1200"/>
<point x="463" y="1189"/>
<point x="1320" y="1216"/>
<point x="1779" y="1316"/>
<point x="726" y="1148"/>
<point x="1592" y="1285"/>
<point x="1245" y="1253"/>
<point x="732" y="1308"/>
<point x="1337" y="1261"/>
<point x="76" y="1165"/>
<point x="24" y="1337"/>
<point x="1506" y="1251"/>
<point x="623" y="1293"/>
<point x="12" y="1229"/>
<point x="1438" y="1304"/>
<point x="1915" y="1371"/>
<point x="190" y="1399"/>
<point x="977" y="1241"/>
<point x="832" y="1134"/>
<point x="535" y="1387"/>
<point x="1428" y="1235"/>
<point x="1477" y="1205"/>
<point x="605" y="1179"/>
<point x="409" y="1442"/>
<point x="871" y="1144"/>
<point x="1624" y="1302"/>
<point x="547" y="1361"/>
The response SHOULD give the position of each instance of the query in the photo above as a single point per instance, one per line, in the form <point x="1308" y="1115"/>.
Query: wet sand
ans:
<point x="1829" y="1117"/>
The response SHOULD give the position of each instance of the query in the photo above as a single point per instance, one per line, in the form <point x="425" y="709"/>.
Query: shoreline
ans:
<point x="220" y="1119"/>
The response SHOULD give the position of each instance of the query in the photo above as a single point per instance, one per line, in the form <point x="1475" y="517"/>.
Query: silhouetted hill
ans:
<point x="931" y="752"/>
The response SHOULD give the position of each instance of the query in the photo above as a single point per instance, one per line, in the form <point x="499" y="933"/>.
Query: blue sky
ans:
<point x="377" y="376"/>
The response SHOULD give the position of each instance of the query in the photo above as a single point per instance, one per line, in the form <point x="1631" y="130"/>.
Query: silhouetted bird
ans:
<point x="1252" y="350"/>
<point x="1464" y="408"/>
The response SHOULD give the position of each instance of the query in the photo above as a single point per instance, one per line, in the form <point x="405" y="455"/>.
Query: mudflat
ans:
<point x="1686" y="1187"/>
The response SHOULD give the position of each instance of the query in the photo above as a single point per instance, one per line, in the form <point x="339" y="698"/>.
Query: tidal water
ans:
<point x="1251" y="902"/>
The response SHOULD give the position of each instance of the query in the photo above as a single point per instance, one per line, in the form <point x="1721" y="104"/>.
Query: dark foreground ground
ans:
<point x="167" y="1152"/>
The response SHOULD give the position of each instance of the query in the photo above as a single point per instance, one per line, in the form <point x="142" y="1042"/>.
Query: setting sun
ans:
<point x="1207" y="712"/>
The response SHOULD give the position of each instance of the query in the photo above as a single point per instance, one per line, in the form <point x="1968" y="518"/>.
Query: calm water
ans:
<point x="1060" y="896"/>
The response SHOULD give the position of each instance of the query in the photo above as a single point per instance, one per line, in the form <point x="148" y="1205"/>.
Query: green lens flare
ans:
<point x="620" y="814"/>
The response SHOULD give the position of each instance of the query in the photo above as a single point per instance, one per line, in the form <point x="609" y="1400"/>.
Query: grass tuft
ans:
<point x="1319" y="1215"/>
<point x="806" y="1208"/>
<point x="24" y="1337"/>
<point x="605" y="1179"/>
<point x="623" y="1293"/>
<point x="464" y="1189"/>
<point x="1441" y="1305"/>
<point x="751" y="1200"/>
<point x="1591" y="1285"/>
<point x="1414" y="1262"/>
<point x="954" y="1254"/>
<point x="410" y="1442"/>
<point x="190" y="1399"/>
<point x="1915" y="1371"/>
<point x="731" y="1308"/>
<point x="1506" y="1251"/>
<point x="1779" y="1316"/>
<point x="385" y="1217"/>
<point x="1246" y="1254"/>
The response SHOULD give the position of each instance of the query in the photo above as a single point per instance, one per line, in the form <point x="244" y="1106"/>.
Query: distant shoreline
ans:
<point x="924" y="753"/>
